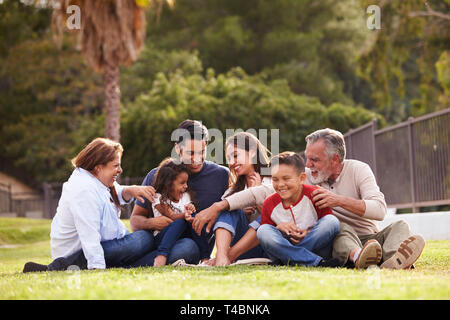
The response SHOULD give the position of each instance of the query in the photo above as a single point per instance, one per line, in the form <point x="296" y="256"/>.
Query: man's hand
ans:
<point x="209" y="216"/>
<point x="324" y="198"/>
<point x="159" y="223"/>
<point x="139" y="193"/>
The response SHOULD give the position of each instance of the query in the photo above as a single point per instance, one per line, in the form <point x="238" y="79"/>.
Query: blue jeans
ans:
<point x="237" y="224"/>
<point x="319" y="238"/>
<point x="166" y="239"/>
<point x="184" y="248"/>
<point x="118" y="252"/>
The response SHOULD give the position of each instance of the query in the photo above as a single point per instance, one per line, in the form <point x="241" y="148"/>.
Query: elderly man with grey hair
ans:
<point x="350" y="189"/>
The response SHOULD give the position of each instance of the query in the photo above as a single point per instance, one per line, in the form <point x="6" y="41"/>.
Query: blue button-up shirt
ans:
<point x="85" y="217"/>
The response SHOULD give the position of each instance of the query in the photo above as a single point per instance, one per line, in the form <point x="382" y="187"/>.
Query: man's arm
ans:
<point x="208" y="216"/>
<point x="373" y="198"/>
<point x="141" y="220"/>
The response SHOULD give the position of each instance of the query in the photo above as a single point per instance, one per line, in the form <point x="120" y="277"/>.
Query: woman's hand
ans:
<point x="139" y="193"/>
<point x="253" y="180"/>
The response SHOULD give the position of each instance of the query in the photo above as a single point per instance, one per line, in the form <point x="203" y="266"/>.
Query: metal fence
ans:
<point x="21" y="204"/>
<point x="411" y="160"/>
<point x="52" y="193"/>
<point x="43" y="204"/>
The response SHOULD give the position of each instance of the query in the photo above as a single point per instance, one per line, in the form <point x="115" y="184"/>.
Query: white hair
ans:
<point x="334" y="141"/>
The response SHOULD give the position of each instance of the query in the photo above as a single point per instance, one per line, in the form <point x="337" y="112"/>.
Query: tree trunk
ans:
<point x="112" y="102"/>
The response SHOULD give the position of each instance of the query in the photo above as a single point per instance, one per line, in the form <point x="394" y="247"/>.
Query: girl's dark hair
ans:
<point x="247" y="141"/>
<point x="289" y="158"/>
<point x="167" y="172"/>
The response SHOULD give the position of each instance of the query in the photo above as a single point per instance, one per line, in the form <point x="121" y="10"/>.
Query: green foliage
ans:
<point x="399" y="62"/>
<point x="311" y="44"/>
<point x="443" y="74"/>
<point x="50" y="92"/>
<point x="138" y="78"/>
<point x="20" y="22"/>
<point x="233" y="100"/>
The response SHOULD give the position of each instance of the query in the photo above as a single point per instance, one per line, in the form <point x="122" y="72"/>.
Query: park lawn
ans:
<point x="429" y="280"/>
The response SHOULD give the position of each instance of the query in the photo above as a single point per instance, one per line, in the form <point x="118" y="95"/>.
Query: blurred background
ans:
<point x="292" y="65"/>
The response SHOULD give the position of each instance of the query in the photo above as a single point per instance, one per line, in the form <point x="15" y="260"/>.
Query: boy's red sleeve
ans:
<point x="323" y="212"/>
<point x="266" y="211"/>
<point x="308" y="189"/>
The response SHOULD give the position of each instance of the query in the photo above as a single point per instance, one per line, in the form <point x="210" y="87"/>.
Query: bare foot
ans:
<point x="160" y="261"/>
<point x="222" y="260"/>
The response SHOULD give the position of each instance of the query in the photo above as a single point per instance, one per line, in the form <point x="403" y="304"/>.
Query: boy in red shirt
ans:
<point x="293" y="230"/>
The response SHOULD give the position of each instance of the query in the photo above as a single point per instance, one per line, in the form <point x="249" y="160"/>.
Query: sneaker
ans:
<point x="34" y="267"/>
<point x="331" y="263"/>
<point x="370" y="255"/>
<point x="408" y="253"/>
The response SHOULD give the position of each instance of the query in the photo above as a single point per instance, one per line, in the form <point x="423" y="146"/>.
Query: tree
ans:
<point x="111" y="34"/>
<point x="233" y="100"/>
<point x="312" y="44"/>
<point x="400" y="61"/>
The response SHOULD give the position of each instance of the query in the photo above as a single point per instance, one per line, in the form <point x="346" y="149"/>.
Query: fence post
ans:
<point x="374" y="153"/>
<point x="47" y="200"/>
<point x="411" y="164"/>
<point x="10" y="198"/>
<point x="349" y="145"/>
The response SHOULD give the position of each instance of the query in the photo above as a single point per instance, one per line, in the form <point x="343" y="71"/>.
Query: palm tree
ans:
<point x="112" y="33"/>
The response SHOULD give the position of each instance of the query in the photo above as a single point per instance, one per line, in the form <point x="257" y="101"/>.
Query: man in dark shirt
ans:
<point x="208" y="181"/>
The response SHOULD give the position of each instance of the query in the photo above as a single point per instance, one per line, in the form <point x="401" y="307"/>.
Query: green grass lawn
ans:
<point x="23" y="240"/>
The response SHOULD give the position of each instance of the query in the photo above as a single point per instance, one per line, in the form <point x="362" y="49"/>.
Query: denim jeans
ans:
<point x="166" y="239"/>
<point x="184" y="248"/>
<point x="118" y="252"/>
<point x="237" y="224"/>
<point x="319" y="239"/>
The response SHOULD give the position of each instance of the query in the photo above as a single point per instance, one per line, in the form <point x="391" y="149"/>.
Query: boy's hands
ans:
<point x="296" y="238"/>
<point x="294" y="233"/>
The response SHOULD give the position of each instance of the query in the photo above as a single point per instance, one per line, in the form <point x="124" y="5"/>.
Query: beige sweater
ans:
<point x="356" y="181"/>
